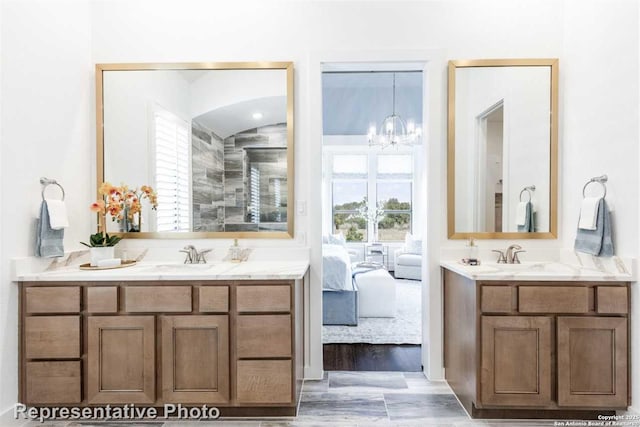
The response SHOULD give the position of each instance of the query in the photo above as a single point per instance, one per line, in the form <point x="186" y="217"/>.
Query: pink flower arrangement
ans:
<point x="115" y="201"/>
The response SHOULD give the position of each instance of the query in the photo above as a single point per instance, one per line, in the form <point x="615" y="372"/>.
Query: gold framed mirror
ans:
<point x="212" y="143"/>
<point x="502" y="149"/>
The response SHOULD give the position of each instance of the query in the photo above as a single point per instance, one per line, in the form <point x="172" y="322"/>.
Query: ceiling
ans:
<point x="231" y="119"/>
<point x="354" y="100"/>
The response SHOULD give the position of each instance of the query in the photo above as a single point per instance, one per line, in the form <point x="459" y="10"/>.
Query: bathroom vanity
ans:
<point x="229" y="336"/>
<point x="541" y="340"/>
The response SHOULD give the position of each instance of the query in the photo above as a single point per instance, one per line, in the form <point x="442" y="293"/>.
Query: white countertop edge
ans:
<point x="293" y="270"/>
<point x="483" y="272"/>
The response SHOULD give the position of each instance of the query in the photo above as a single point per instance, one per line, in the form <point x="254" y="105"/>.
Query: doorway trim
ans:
<point x="432" y="182"/>
<point x="479" y="152"/>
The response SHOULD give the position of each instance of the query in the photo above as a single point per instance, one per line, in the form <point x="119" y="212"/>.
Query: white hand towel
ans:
<point x="521" y="213"/>
<point x="57" y="214"/>
<point x="589" y="213"/>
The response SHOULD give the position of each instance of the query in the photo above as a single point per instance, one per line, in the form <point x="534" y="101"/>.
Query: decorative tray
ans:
<point x="127" y="263"/>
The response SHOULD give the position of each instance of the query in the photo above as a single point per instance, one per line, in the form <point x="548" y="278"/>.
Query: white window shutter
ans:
<point x="172" y="172"/>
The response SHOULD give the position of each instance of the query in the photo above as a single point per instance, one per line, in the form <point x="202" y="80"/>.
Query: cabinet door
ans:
<point x="195" y="359"/>
<point x="592" y="362"/>
<point x="121" y="359"/>
<point x="516" y="361"/>
<point x="264" y="382"/>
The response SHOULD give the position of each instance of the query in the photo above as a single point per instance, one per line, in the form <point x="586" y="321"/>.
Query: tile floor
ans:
<point x="355" y="399"/>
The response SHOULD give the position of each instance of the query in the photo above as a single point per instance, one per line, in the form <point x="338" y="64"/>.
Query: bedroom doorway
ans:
<point x="372" y="244"/>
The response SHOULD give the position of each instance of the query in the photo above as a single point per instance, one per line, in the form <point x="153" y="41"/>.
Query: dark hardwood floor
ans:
<point x="372" y="357"/>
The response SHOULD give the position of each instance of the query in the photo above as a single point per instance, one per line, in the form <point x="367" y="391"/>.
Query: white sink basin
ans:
<point x="512" y="267"/>
<point x="178" y="267"/>
<point x="541" y="267"/>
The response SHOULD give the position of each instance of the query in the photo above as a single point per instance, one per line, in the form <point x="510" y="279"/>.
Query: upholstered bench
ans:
<point x="376" y="294"/>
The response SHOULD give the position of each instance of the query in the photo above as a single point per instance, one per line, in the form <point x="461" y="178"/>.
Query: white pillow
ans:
<point x="412" y="245"/>
<point x="337" y="239"/>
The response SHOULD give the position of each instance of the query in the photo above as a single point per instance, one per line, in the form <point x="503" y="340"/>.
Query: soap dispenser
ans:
<point x="472" y="255"/>
<point x="234" y="251"/>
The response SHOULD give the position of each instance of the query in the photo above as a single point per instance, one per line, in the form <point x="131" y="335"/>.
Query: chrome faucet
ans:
<point x="193" y="256"/>
<point x="510" y="256"/>
<point x="501" y="258"/>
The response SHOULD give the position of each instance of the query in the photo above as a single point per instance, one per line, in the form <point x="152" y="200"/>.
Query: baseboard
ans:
<point x="311" y="373"/>
<point x="7" y="419"/>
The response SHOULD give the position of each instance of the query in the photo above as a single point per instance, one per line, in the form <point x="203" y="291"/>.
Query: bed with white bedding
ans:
<point x="339" y="293"/>
<point x="336" y="268"/>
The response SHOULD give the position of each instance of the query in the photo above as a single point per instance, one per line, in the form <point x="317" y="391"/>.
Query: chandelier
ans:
<point x="394" y="131"/>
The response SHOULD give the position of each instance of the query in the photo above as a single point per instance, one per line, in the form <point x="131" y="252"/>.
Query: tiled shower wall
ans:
<point x="207" y="162"/>
<point x="234" y="179"/>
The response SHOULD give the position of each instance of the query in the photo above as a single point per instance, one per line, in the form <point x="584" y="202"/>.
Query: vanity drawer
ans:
<point x="497" y="299"/>
<point x="52" y="300"/>
<point x="52" y="337"/>
<point x="612" y="300"/>
<point x="150" y="299"/>
<point x="53" y="382"/>
<point x="264" y="298"/>
<point x="213" y="299"/>
<point x="102" y="299"/>
<point x="553" y="299"/>
<point x="263" y="336"/>
<point x="264" y="381"/>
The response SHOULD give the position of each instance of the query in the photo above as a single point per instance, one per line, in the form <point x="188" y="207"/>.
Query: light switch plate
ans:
<point x="302" y="207"/>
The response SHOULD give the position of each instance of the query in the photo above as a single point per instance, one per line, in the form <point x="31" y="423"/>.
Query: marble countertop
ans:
<point x="249" y="270"/>
<point x="609" y="270"/>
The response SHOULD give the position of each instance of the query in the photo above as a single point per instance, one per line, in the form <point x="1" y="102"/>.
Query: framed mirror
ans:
<point x="502" y="156"/>
<point x="211" y="143"/>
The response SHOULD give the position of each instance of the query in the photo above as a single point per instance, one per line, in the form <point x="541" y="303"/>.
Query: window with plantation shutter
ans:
<point x="255" y="195"/>
<point x="171" y="143"/>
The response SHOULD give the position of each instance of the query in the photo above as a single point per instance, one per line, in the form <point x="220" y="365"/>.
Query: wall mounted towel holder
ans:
<point x="528" y="189"/>
<point x="47" y="182"/>
<point x="600" y="180"/>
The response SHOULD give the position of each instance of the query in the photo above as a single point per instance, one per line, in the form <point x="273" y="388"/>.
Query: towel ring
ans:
<point x="528" y="189"/>
<point x="47" y="182"/>
<point x="600" y="180"/>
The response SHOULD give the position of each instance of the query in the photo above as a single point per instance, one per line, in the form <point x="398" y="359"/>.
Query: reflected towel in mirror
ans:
<point x="598" y="242"/>
<point x="589" y="213"/>
<point x="524" y="217"/>
<point x="521" y="213"/>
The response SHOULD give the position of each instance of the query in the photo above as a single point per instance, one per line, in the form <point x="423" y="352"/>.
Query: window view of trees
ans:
<point x="388" y="180"/>
<point x="396" y="221"/>
<point x="393" y="226"/>
<point x="347" y="220"/>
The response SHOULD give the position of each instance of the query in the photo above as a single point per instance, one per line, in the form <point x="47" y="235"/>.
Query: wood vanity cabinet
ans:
<point x="235" y="345"/>
<point x="532" y="349"/>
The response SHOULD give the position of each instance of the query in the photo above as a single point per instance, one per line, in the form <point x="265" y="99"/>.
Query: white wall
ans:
<point x="129" y="99"/>
<point x="47" y="130"/>
<point x="7" y="336"/>
<point x="635" y="291"/>
<point x="599" y="128"/>
<point x="596" y="41"/>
